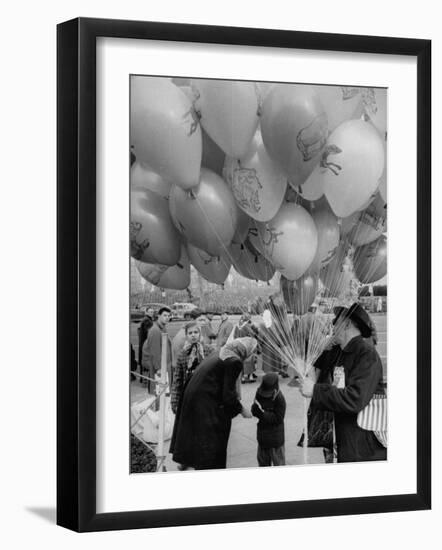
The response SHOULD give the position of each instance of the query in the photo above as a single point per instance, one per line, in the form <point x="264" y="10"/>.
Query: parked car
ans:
<point x="182" y="310"/>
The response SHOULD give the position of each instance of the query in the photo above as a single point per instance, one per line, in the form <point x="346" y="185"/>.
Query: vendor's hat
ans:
<point x="269" y="384"/>
<point x="358" y="315"/>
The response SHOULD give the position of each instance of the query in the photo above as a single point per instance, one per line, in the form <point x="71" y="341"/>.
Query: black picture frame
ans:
<point x="76" y="273"/>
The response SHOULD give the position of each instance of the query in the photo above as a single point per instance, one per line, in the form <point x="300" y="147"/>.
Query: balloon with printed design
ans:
<point x="370" y="261"/>
<point x="289" y="240"/>
<point x="328" y="237"/>
<point x="371" y="223"/>
<point x="153" y="237"/>
<point x="213" y="268"/>
<point x="257" y="183"/>
<point x="229" y="113"/>
<point x="176" y="277"/>
<point x="294" y="129"/>
<point x="299" y="295"/>
<point x="375" y="107"/>
<point x="352" y="163"/>
<point x="341" y="103"/>
<point x="207" y="216"/>
<point x="144" y="177"/>
<point x="165" y="130"/>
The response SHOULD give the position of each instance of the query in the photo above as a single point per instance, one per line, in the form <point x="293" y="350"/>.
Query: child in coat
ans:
<point x="269" y="407"/>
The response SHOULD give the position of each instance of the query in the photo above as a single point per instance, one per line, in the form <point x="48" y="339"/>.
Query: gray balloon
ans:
<point x="153" y="237"/>
<point x="207" y="215"/>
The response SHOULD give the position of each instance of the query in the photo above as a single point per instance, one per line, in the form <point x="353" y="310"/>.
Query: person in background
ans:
<point x="143" y="331"/>
<point x="350" y="375"/>
<point x="269" y="407"/>
<point x="179" y="339"/>
<point x="133" y="363"/>
<point x="190" y="356"/>
<point x="224" y="330"/>
<point x="151" y="358"/>
<point x="209" y="403"/>
<point x="207" y="333"/>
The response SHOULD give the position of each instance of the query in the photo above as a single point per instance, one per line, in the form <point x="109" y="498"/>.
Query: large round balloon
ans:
<point x="294" y="129"/>
<point x="176" y="277"/>
<point x="257" y="183"/>
<point x="153" y="237"/>
<point x="341" y="103"/>
<point x="299" y="295"/>
<point x="207" y="216"/>
<point x="328" y="238"/>
<point x="370" y="261"/>
<point x="249" y="263"/>
<point x="352" y="163"/>
<point x="383" y="178"/>
<point x="336" y="275"/>
<point x="213" y="269"/>
<point x="229" y="113"/>
<point x="289" y="240"/>
<point x="375" y="107"/>
<point x="165" y="131"/>
<point x="143" y="176"/>
<point x="370" y="223"/>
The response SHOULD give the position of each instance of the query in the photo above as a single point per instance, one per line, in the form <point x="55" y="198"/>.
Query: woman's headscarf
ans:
<point x="240" y="348"/>
<point x="193" y="351"/>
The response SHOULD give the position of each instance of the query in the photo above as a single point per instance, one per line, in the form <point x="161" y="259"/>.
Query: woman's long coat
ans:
<point x="209" y="402"/>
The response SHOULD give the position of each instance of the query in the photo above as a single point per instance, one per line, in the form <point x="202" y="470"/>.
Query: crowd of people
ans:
<point x="205" y="368"/>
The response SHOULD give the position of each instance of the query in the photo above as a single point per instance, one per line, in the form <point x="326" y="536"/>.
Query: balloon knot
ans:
<point x="180" y="265"/>
<point x="192" y="194"/>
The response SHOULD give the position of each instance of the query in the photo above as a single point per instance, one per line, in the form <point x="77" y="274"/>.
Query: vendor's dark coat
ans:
<point x="270" y="428"/>
<point x="209" y="403"/>
<point x="363" y="378"/>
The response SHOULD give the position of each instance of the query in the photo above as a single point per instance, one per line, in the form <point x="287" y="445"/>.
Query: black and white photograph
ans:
<point x="258" y="274"/>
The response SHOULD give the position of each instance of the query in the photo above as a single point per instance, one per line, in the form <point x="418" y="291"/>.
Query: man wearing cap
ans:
<point x="351" y="373"/>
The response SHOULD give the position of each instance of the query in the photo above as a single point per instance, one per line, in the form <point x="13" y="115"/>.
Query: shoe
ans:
<point x="284" y="375"/>
<point x="253" y="376"/>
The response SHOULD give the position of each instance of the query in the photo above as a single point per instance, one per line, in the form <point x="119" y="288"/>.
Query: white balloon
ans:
<point x="352" y="163"/>
<point x="341" y="103"/>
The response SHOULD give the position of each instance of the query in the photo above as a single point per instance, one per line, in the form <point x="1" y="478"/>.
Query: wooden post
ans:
<point x="162" y="411"/>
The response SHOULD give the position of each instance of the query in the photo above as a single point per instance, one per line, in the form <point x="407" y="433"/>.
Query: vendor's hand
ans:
<point x="258" y="404"/>
<point x="306" y="388"/>
<point x="245" y="413"/>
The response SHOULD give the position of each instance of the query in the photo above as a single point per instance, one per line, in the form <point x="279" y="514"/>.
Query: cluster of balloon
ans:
<point x="289" y="240"/>
<point x="265" y="177"/>
<point x="294" y="129"/>
<point x="370" y="261"/>
<point x="165" y="132"/>
<point x="257" y="183"/>
<point x="206" y="216"/>
<point x="299" y="295"/>
<point x="176" y="277"/>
